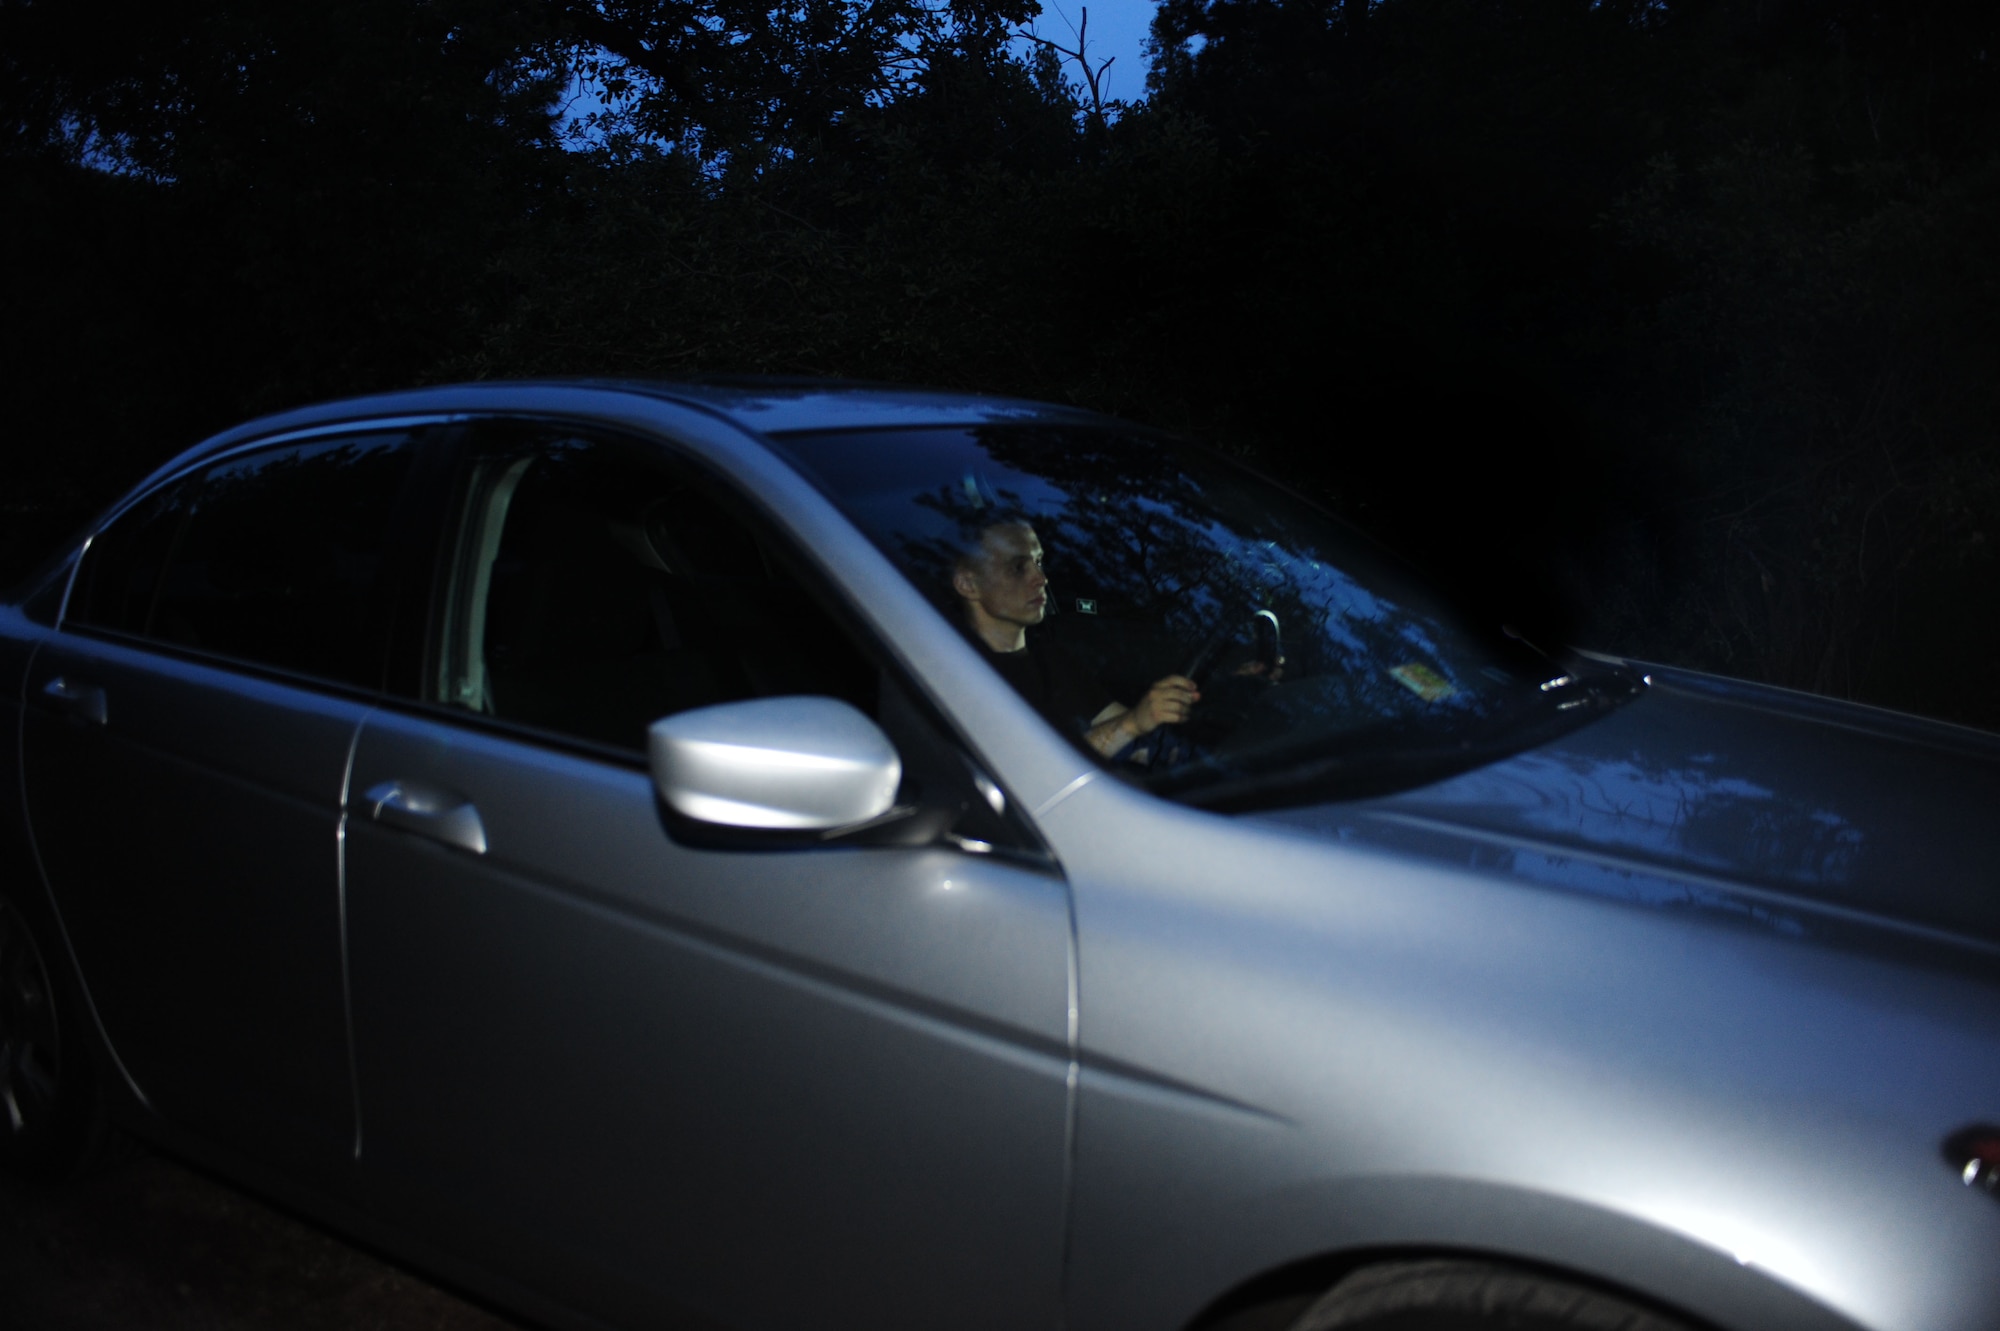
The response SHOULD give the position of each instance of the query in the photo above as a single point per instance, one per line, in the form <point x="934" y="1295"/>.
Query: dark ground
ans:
<point x="152" y="1245"/>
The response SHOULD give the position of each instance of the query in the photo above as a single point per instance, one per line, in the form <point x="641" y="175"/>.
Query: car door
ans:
<point x="184" y="751"/>
<point x="654" y="1074"/>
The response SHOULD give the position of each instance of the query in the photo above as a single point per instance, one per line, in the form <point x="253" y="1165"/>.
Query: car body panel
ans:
<point x="655" y="1043"/>
<point x="1690" y="1025"/>
<point x="1864" y="815"/>
<point x="190" y="842"/>
<point x="1340" y="1022"/>
<point x="20" y="638"/>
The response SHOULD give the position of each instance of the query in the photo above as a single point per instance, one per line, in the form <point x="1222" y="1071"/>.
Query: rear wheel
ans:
<point x="1470" y="1296"/>
<point x="50" y="1120"/>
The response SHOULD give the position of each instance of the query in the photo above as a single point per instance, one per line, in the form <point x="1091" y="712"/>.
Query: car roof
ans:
<point x="764" y="405"/>
<point x="767" y="405"/>
<point x="776" y="405"/>
<point x="760" y="404"/>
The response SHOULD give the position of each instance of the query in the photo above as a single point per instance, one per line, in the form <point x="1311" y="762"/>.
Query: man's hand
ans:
<point x="1167" y="703"/>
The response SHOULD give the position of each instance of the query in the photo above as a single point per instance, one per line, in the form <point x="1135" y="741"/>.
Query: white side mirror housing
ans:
<point x="798" y="764"/>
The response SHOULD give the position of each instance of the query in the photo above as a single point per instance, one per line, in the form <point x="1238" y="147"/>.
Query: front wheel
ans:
<point x="50" y="1119"/>
<point x="1470" y="1296"/>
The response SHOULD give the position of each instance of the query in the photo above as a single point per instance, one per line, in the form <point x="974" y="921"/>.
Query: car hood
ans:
<point x="1793" y="812"/>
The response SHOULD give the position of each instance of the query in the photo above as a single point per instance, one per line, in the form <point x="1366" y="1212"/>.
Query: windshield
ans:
<point x="1322" y="667"/>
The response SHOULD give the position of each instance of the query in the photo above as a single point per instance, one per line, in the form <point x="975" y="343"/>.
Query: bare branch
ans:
<point x="1093" y="76"/>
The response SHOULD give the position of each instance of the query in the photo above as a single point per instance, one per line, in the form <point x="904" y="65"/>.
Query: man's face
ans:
<point x="1005" y="579"/>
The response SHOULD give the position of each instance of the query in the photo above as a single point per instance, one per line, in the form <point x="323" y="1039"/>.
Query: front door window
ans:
<point x="598" y="586"/>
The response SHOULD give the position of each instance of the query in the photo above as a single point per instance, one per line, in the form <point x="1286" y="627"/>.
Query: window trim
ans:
<point x="228" y="664"/>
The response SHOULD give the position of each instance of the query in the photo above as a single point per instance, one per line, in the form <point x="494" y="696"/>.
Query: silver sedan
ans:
<point x="780" y="855"/>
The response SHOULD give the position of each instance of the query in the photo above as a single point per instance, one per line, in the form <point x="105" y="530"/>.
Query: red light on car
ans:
<point x="1975" y="1153"/>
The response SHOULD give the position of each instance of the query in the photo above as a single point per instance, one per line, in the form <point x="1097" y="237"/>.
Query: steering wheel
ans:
<point x="1267" y="649"/>
<point x="1172" y="745"/>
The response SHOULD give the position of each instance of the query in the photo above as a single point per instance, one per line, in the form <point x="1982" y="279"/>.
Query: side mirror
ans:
<point x="778" y="764"/>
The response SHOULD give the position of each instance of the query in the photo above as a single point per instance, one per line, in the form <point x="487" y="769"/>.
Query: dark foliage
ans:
<point x="1661" y="325"/>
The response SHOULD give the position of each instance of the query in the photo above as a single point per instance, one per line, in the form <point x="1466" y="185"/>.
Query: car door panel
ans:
<point x="185" y="761"/>
<point x="191" y="843"/>
<point x="823" y="1084"/>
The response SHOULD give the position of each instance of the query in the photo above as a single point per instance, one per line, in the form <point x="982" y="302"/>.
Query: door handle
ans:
<point x="428" y="812"/>
<point x="83" y="701"/>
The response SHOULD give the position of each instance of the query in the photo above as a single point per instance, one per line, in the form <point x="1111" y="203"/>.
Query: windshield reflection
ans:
<point x="1164" y="560"/>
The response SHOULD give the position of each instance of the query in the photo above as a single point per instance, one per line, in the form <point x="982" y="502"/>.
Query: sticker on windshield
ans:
<point x="1423" y="681"/>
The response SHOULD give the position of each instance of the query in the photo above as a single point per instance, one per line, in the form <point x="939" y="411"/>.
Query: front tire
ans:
<point x="1451" y="1295"/>
<point x="51" y="1120"/>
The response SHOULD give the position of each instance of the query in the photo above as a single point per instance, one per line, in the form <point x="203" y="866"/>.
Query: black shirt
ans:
<point x="1054" y="682"/>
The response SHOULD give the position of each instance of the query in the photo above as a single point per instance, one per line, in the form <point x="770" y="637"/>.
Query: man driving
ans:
<point x="1004" y="592"/>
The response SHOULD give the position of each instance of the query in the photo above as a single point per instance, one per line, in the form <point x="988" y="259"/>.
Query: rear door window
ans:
<point x="275" y="558"/>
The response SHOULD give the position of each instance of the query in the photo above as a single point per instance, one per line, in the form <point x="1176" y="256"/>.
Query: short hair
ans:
<point x="973" y="545"/>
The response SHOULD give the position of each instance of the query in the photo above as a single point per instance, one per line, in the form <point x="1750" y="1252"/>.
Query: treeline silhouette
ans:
<point x="1662" y="326"/>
